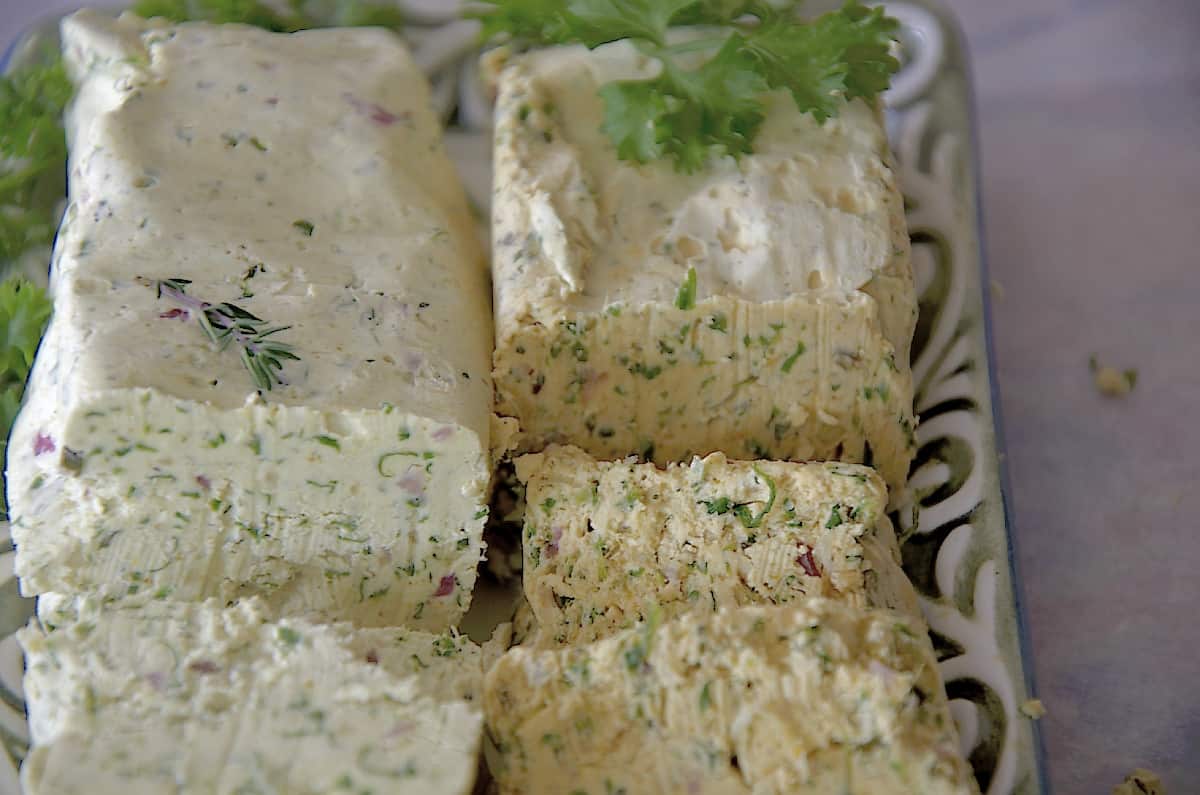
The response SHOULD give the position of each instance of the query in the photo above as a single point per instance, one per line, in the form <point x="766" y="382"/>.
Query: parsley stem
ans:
<point x="691" y="46"/>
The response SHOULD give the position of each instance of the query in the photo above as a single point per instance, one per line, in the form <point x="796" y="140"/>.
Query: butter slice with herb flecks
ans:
<point x="606" y="542"/>
<point x="173" y="697"/>
<point x="763" y="306"/>
<point x="813" y="697"/>
<point x="258" y="378"/>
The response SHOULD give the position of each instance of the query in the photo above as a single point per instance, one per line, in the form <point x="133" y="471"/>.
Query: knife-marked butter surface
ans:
<point x="797" y="344"/>
<point x="193" y="698"/>
<point x="303" y="178"/>
<point x="606" y="542"/>
<point x="817" y="697"/>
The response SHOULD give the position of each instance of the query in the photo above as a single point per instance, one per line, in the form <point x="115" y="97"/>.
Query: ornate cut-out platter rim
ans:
<point x="960" y="547"/>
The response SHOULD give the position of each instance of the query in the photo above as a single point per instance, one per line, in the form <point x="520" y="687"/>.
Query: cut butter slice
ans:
<point x="301" y="178"/>
<point x="606" y="542"/>
<point x="173" y="697"/>
<point x="816" y="697"/>
<point x="762" y="306"/>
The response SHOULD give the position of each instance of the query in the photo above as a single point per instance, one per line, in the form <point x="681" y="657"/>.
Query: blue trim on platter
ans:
<point x="955" y="30"/>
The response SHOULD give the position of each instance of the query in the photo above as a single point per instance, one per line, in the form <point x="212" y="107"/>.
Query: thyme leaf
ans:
<point x="228" y="324"/>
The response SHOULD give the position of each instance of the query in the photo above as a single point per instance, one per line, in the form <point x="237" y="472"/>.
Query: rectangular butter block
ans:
<point x="815" y="697"/>
<point x="606" y="542"/>
<point x="763" y="307"/>
<point x="195" y="698"/>
<point x="302" y="178"/>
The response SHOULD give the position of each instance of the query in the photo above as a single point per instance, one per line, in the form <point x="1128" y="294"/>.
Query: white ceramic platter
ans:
<point x="959" y="550"/>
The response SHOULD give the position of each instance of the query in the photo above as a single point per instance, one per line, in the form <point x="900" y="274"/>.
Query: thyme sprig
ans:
<point x="227" y="324"/>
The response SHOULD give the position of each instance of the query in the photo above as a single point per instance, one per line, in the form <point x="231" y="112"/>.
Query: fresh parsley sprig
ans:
<point x="692" y="111"/>
<point x="226" y="324"/>
<point x="301" y="14"/>
<point x="24" y="311"/>
<point x="32" y="145"/>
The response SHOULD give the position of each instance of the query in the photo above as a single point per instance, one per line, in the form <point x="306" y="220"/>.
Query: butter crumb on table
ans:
<point x="1141" y="782"/>
<point x="1033" y="708"/>
<point x="1110" y="381"/>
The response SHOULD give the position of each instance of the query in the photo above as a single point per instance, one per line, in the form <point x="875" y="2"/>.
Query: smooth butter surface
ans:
<point x="608" y="543"/>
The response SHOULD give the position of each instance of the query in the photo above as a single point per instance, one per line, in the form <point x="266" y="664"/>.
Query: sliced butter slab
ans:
<point x="605" y="542"/>
<point x="795" y="343"/>
<point x="815" y="697"/>
<point x="195" y="698"/>
<point x="303" y="178"/>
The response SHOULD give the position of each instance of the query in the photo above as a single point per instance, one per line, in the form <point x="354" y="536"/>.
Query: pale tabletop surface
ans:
<point x="1090" y="115"/>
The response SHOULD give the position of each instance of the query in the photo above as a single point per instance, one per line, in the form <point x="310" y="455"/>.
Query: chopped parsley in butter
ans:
<point x="812" y="697"/>
<point x="614" y="540"/>
<point x="302" y="179"/>
<point x="746" y="308"/>
<point x="141" y="699"/>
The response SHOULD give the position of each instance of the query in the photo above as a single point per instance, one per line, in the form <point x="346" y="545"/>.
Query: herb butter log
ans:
<point x="817" y="697"/>
<point x="606" y="542"/>
<point x="763" y="306"/>
<point x="178" y="697"/>
<point x="267" y="370"/>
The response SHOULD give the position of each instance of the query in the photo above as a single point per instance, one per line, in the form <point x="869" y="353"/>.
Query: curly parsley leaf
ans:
<point x="302" y="14"/>
<point x="538" y="21"/>
<point x="364" y="15"/>
<point x="32" y="145"/>
<point x="636" y="118"/>
<point x="694" y="109"/>
<point x="839" y="56"/>
<point x="592" y="22"/>
<point x="715" y="12"/>
<point x="688" y="115"/>
<point x="24" y="310"/>
<point x="598" y="22"/>
<point x="246" y="12"/>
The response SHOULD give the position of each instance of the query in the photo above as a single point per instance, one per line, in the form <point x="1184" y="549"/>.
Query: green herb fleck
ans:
<point x="742" y="510"/>
<point x="790" y="361"/>
<point x="639" y="649"/>
<point x="649" y="373"/>
<point x="719" y="506"/>
<point x="288" y="636"/>
<point x="685" y="298"/>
